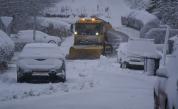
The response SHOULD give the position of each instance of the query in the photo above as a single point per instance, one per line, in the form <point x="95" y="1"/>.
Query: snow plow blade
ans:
<point x="85" y="52"/>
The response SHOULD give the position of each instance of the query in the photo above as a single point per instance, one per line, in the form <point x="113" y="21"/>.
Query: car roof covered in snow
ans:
<point x="41" y="50"/>
<point x="141" y="48"/>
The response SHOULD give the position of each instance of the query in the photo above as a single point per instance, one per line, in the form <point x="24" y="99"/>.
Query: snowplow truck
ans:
<point x="90" y="39"/>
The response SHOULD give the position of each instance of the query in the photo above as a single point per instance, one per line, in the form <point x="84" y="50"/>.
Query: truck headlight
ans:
<point x="75" y="32"/>
<point x="93" y="19"/>
<point x="97" y="33"/>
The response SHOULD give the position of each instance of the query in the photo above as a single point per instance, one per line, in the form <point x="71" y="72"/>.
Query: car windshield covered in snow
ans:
<point x="88" y="29"/>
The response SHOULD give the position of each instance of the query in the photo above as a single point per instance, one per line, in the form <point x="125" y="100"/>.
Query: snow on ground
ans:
<point x="90" y="84"/>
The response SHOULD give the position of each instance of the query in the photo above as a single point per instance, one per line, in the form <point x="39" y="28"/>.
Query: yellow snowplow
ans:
<point x="90" y="40"/>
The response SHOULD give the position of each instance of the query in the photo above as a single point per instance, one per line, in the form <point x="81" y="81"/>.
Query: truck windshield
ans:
<point x="88" y="29"/>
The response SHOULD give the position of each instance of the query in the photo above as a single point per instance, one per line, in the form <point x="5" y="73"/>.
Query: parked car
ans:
<point x="132" y="53"/>
<point x="41" y="59"/>
<point x="26" y="36"/>
<point x="166" y="87"/>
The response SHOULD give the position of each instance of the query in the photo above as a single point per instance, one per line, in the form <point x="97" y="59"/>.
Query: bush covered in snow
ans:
<point x="54" y="26"/>
<point x="137" y="19"/>
<point x="158" y="34"/>
<point x="6" y="48"/>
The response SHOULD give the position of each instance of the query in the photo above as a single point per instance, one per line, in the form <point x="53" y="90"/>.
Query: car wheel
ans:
<point x="52" y="41"/>
<point x="52" y="78"/>
<point x="156" y="101"/>
<point x="124" y="65"/>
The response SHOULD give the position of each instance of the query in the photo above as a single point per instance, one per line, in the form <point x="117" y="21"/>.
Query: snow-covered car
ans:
<point x="6" y="49"/>
<point x="132" y="53"/>
<point x="166" y="87"/>
<point x="27" y="36"/>
<point x="41" y="59"/>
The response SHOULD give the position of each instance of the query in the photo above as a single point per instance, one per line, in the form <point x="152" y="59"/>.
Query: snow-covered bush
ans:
<point x="137" y="19"/>
<point x="152" y="24"/>
<point x="158" y="34"/>
<point x="6" y="48"/>
<point x="54" y="26"/>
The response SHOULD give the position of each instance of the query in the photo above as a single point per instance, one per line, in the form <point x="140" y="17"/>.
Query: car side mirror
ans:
<point x="162" y="72"/>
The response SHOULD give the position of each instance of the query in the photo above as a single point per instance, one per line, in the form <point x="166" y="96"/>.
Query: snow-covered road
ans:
<point x="96" y="84"/>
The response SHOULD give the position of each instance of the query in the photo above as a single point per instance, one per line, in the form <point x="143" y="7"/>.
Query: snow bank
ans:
<point x="6" y="47"/>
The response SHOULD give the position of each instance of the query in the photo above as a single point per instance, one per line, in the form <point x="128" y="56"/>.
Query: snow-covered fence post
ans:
<point x="165" y="44"/>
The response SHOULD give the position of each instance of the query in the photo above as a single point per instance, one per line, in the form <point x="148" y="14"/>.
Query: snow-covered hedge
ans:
<point x="158" y="34"/>
<point x="55" y="26"/>
<point x="137" y="19"/>
<point x="6" y="48"/>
